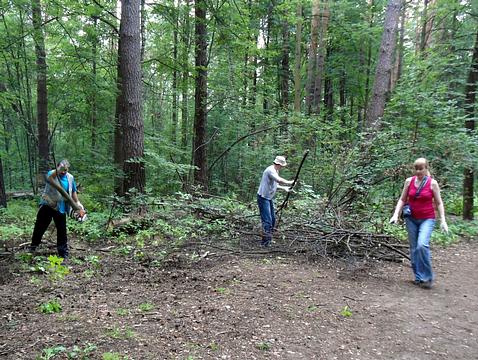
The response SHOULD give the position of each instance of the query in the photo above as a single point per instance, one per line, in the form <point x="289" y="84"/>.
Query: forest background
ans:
<point x="172" y="99"/>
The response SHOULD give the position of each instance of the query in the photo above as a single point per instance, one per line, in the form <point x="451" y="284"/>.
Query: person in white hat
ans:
<point x="271" y="181"/>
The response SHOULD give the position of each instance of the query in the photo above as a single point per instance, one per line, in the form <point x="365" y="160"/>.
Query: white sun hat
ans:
<point x="280" y="160"/>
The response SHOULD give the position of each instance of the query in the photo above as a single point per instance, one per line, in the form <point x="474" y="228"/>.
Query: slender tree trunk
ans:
<point x="174" y="109"/>
<point x="362" y="106"/>
<point x="42" y="94"/>
<point x="265" y="60"/>
<point x="397" y="68"/>
<point x="470" y="102"/>
<point x="253" y="97"/>
<point x="428" y="17"/>
<point x="200" y="97"/>
<point x="312" y="61"/>
<point x="185" y="77"/>
<point x="328" y="92"/>
<point x="384" y="65"/>
<point x="321" y="54"/>
<point x="3" y="196"/>
<point x="118" y="128"/>
<point x="130" y="67"/>
<point x="284" y="76"/>
<point x="298" y="58"/>
<point x="342" y="95"/>
<point x="93" y="91"/>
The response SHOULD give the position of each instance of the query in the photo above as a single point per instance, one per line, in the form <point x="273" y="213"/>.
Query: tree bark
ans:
<point x="185" y="78"/>
<point x="321" y="55"/>
<point x="130" y="68"/>
<point x="470" y="100"/>
<point x="3" y="195"/>
<point x="93" y="91"/>
<point x="284" y="75"/>
<point x="118" y="127"/>
<point x="174" y="117"/>
<point x="298" y="58"/>
<point x="311" y="66"/>
<point x="384" y="65"/>
<point x="200" y="97"/>
<point x="428" y="18"/>
<point x="397" y="68"/>
<point x="265" y="60"/>
<point x="42" y="92"/>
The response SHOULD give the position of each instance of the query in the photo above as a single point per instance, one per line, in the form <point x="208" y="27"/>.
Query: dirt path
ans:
<point x="235" y="308"/>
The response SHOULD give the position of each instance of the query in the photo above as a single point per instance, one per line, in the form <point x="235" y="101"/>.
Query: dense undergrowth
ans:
<point x="169" y="222"/>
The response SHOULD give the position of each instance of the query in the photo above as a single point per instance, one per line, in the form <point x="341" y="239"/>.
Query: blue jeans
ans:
<point x="419" y="233"/>
<point x="266" y="209"/>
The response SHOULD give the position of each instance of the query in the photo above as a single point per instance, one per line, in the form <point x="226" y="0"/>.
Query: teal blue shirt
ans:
<point x="63" y="179"/>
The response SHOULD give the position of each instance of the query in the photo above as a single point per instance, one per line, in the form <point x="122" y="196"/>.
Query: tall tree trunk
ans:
<point x="200" y="96"/>
<point x="118" y="126"/>
<point x="93" y="91"/>
<point x="298" y="59"/>
<point x="185" y="78"/>
<point x="397" y="68"/>
<point x="384" y="65"/>
<point x="132" y="119"/>
<point x="312" y="61"/>
<point x="265" y="60"/>
<point x="368" y="71"/>
<point x="284" y="75"/>
<point x="3" y="196"/>
<point x="328" y="92"/>
<point x="42" y="94"/>
<point x="174" y="117"/>
<point x="321" y="54"/>
<point x="428" y="17"/>
<point x="470" y="102"/>
<point x="342" y="95"/>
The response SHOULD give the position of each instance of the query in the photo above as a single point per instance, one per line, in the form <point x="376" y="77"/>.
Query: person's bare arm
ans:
<point x="439" y="204"/>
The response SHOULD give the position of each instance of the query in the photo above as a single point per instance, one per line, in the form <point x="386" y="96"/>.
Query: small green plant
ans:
<point x="94" y="261"/>
<point x="56" y="271"/>
<point x="51" y="307"/>
<point x="118" y="333"/>
<point x="81" y="353"/>
<point x="113" y="356"/>
<point x="222" y="290"/>
<point x="50" y="353"/>
<point x="346" y="311"/>
<point x="89" y="273"/>
<point x="312" y="308"/>
<point x="123" y="250"/>
<point x="122" y="312"/>
<point x="213" y="346"/>
<point x="24" y="257"/>
<point x="35" y="280"/>
<point x="263" y="346"/>
<point x="146" y="307"/>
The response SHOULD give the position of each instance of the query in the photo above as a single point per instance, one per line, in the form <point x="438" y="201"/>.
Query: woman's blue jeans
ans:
<point x="419" y="233"/>
<point x="266" y="209"/>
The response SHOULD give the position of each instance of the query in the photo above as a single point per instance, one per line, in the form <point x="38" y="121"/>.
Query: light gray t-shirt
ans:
<point x="269" y="182"/>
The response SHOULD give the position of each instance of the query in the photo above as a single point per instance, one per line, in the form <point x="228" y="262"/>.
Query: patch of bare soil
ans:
<point x="231" y="307"/>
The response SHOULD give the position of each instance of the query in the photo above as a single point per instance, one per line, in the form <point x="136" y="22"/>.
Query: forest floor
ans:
<point x="262" y="306"/>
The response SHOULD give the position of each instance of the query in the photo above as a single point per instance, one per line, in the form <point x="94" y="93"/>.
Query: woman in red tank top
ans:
<point x="422" y="194"/>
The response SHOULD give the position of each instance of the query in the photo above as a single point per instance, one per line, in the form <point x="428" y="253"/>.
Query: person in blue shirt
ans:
<point x="54" y="207"/>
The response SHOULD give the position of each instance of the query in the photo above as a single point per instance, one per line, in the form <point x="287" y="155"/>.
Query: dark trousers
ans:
<point x="44" y="217"/>
<point x="266" y="209"/>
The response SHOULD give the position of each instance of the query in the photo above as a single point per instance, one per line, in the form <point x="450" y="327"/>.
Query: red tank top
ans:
<point x="422" y="206"/>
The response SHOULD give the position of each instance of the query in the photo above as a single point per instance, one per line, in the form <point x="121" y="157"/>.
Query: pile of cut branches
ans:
<point x="330" y="235"/>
